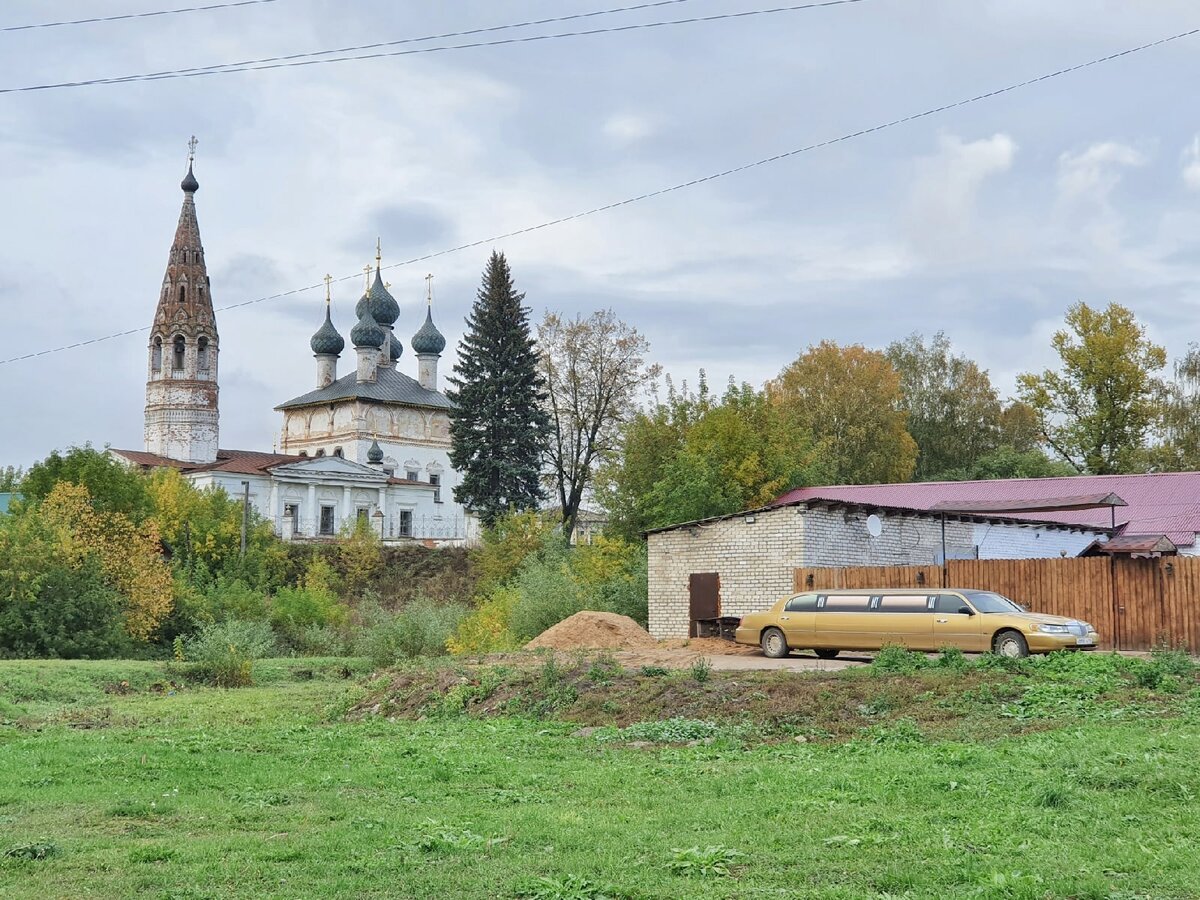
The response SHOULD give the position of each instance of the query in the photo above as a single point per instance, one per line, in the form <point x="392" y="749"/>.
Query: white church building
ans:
<point x="370" y="446"/>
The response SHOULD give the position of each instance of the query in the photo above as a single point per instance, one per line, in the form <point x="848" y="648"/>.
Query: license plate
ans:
<point x="1084" y="642"/>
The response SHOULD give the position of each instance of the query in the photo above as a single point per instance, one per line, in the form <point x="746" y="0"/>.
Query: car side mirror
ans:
<point x="966" y="611"/>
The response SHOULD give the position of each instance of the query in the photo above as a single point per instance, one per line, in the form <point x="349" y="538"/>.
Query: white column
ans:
<point x="383" y="509"/>
<point x="273" y="512"/>
<point x="311" y="510"/>
<point x="347" y="510"/>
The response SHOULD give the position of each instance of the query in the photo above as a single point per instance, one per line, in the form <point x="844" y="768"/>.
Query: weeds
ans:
<point x="37" y="851"/>
<point x="895" y="660"/>
<point x="435" y="837"/>
<point x="572" y="887"/>
<point x="652" y="671"/>
<point x="707" y="862"/>
<point x="701" y="670"/>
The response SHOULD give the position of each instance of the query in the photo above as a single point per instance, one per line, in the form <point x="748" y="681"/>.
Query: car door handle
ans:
<point x="784" y="618"/>
<point x="942" y="621"/>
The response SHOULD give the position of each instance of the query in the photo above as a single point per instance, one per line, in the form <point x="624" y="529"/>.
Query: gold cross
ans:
<point x="367" y="271"/>
<point x="429" y="289"/>
<point x="378" y="252"/>
<point x="328" y="281"/>
<point x="192" y="148"/>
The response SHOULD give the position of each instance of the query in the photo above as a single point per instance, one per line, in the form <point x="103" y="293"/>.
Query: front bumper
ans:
<point x="1040" y="642"/>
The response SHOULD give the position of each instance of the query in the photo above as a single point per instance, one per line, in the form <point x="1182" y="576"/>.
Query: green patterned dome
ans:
<point x="327" y="341"/>
<point x="367" y="333"/>
<point x="395" y="348"/>
<point x="375" y="453"/>
<point x="379" y="301"/>
<point x="428" y="339"/>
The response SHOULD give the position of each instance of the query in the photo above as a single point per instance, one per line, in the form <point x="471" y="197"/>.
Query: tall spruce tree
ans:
<point x="498" y="426"/>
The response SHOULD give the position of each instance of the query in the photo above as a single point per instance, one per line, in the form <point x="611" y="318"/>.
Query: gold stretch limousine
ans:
<point x="828" y="622"/>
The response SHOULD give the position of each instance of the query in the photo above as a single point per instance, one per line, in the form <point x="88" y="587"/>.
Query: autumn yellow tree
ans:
<point x="849" y="400"/>
<point x="129" y="555"/>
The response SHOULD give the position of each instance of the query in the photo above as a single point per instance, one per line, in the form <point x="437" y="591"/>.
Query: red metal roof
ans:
<point x="1158" y="503"/>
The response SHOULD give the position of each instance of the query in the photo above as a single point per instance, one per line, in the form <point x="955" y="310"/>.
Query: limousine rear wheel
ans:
<point x="1011" y="644"/>
<point x="774" y="644"/>
<point x="826" y="653"/>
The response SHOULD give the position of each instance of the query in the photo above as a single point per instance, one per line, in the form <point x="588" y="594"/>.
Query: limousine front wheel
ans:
<point x="774" y="644"/>
<point x="1011" y="644"/>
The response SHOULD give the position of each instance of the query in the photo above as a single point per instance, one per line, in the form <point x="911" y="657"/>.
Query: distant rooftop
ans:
<point x="1159" y="503"/>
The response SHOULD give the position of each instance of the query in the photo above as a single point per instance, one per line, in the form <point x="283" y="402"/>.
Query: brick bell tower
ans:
<point x="181" y="380"/>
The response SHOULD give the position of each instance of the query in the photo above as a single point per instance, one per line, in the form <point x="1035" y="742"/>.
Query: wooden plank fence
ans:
<point x="1135" y="604"/>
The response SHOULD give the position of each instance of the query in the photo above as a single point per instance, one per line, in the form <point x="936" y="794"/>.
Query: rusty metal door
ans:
<point x="704" y="596"/>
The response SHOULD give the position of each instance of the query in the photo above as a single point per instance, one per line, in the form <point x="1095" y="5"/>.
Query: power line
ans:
<point x="310" y="59"/>
<point x="416" y="40"/>
<point x="849" y="136"/>
<point x="142" y="15"/>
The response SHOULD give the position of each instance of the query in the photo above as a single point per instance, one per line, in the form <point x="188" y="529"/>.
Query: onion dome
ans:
<point x="384" y="308"/>
<point x="327" y="341"/>
<point x="367" y="333"/>
<point x="189" y="184"/>
<point x="375" y="453"/>
<point x="395" y="348"/>
<point x="428" y="340"/>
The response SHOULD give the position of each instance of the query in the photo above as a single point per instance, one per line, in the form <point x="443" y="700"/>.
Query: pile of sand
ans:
<point x="588" y="630"/>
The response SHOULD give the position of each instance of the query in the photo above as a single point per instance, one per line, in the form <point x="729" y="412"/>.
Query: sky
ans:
<point x="985" y="221"/>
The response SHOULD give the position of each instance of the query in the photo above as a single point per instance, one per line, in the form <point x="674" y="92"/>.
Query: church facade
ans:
<point x="370" y="446"/>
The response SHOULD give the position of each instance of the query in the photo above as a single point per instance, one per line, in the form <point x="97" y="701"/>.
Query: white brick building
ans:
<point x="754" y="554"/>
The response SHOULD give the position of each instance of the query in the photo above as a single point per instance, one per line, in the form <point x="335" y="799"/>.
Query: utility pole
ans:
<point x="245" y="514"/>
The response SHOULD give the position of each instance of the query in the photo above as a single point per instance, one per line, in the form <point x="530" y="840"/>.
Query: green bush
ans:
<point x="421" y="628"/>
<point x="71" y="614"/>
<point x="224" y="652"/>
<point x="547" y="593"/>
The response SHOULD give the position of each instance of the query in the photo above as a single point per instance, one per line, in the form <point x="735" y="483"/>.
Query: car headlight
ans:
<point x="1053" y="629"/>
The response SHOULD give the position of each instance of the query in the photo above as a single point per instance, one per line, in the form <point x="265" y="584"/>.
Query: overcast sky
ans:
<point x="985" y="221"/>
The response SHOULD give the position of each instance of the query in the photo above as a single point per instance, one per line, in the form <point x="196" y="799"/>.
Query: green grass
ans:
<point x="270" y="791"/>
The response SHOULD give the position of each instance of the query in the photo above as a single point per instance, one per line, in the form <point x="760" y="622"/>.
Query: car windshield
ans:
<point x="987" y="602"/>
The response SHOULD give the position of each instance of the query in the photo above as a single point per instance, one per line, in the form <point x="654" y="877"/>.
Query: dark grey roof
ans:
<point x="390" y="386"/>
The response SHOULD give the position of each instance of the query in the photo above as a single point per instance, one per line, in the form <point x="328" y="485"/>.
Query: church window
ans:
<point x="182" y="293"/>
<point x="406" y="523"/>
<point x="412" y="475"/>
<point x="156" y="355"/>
<point x="327" y="520"/>
<point x="321" y="452"/>
<point x="177" y="362"/>
<point x="337" y="451"/>
<point x="436" y="481"/>
<point x="363" y="514"/>
<point x="202" y="353"/>
<point x="304" y="453"/>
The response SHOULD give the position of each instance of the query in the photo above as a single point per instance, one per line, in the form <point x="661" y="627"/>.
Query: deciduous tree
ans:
<point x="498" y="426"/>
<point x="595" y="372"/>
<point x="1097" y="409"/>
<point x="849" y="400"/>
<point x="953" y="411"/>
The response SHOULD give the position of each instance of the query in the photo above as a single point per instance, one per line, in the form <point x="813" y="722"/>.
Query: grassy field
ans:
<point x="1072" y="780"/>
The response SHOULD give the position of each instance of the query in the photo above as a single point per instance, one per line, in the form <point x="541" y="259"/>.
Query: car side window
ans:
<point x="916" y="603"/>
<point x="803" y="603"/>
<point x="949" y="603"/>
<point x="845" y="602"/>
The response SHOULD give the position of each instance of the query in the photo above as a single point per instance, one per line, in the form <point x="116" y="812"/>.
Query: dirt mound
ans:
<point x="593" y="630"/>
